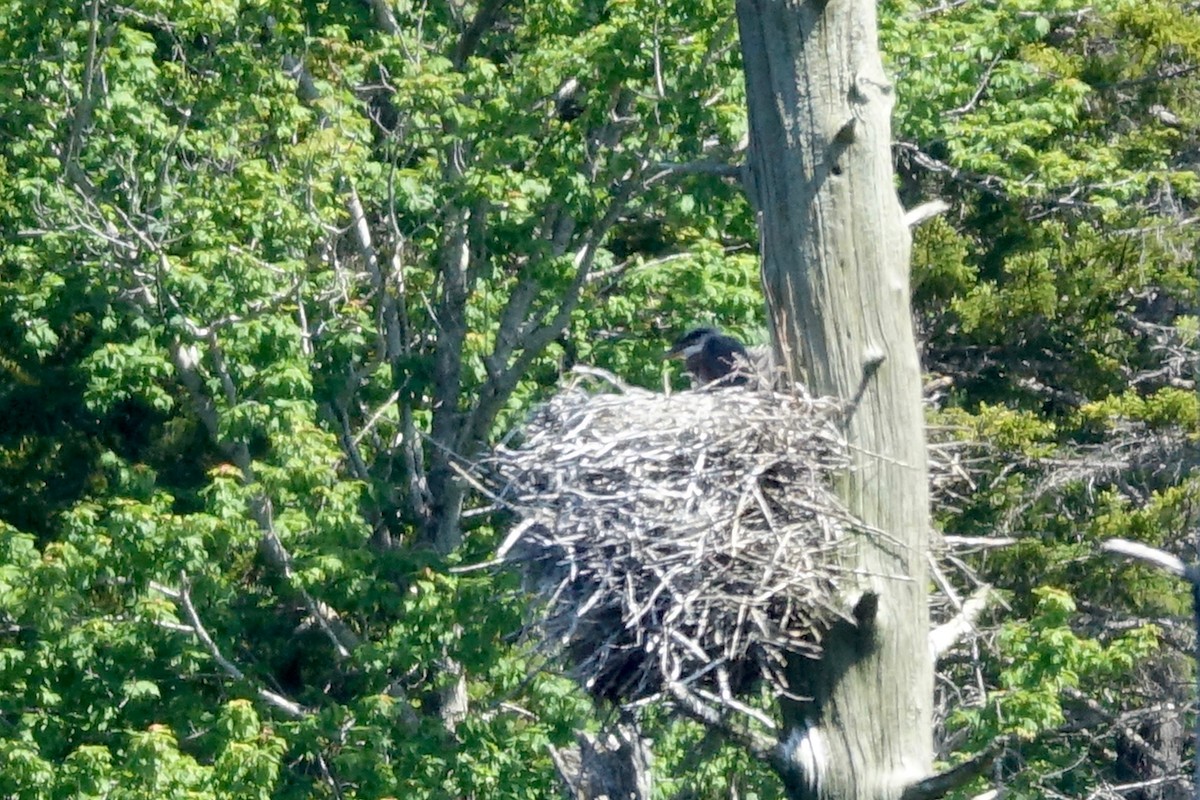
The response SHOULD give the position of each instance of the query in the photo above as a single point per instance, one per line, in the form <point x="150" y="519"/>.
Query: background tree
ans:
<point x="1056" y="303"/>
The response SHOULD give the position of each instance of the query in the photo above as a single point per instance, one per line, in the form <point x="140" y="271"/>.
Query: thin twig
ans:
<point x="183" y="597"/>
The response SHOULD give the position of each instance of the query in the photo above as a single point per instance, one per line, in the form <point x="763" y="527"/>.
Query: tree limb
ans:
<point x="757" y="744"/>
<point x="1146" y="554"/>
<point x="483" y="20"/>
<point x="446" y="426"/>
<point x="988" y="184"/>
<point x="87" y="102"/>
<point x="385" y="19"/>
<point x="1120" y="723"/>
<point x="945" y="636"/>
<point x="668" y="169"/>
<point x="926" y="211"/>
<point x="183" y="598"/>
<point x="496" y="391"/>
<point x="943" y="783"/>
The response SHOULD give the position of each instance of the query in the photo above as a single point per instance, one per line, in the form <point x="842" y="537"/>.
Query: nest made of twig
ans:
<point x="679" y="542"/>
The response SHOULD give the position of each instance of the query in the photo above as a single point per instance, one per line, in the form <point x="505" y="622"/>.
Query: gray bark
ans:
<point x="835" y="271"/>
<point x="612" y="765"/>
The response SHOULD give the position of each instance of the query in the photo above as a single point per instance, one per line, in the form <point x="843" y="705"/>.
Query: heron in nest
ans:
<point x="712" y="357"/>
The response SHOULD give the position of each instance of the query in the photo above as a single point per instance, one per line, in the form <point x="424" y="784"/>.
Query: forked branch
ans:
<point x="183" y="598"/>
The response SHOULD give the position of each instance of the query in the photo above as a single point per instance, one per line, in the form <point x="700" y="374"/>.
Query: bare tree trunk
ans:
<point x="612" y="765"/>
<point x="835" y="271"/>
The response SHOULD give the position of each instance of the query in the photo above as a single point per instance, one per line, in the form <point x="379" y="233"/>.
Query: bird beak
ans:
<point x="674" y="352"/>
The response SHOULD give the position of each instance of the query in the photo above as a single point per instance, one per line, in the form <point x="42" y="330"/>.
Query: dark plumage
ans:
<point x="711" y="356"/>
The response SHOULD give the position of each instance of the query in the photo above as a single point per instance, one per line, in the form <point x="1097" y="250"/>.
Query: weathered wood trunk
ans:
<point x="835" y="269"/>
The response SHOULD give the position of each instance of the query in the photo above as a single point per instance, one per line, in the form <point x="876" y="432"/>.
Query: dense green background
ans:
<point x="216" y="387"/>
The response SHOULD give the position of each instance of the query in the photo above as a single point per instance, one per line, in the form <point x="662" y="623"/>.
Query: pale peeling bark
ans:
<point x="835" y="270"/>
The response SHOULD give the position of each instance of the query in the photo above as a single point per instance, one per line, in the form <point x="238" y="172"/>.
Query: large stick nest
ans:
<point x="680" y="543"/>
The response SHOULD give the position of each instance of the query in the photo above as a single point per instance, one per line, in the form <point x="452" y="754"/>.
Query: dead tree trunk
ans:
<point x="835" y="269"/>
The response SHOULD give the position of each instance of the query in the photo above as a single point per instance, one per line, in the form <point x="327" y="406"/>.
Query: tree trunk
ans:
<point x="612" y="765"/>
<point x="835" y="270"/>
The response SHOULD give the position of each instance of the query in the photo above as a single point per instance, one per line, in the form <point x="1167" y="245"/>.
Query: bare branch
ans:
<point x="943" y="783"/>
<point x="668" y="169"/>
<point x="182" y="596"/>
<point x="757" y="744"/>
<point x="983" y="84"/>
<point x="1150" y="555"/>
<point x="924" y="212"/>
<point x="945" y="636"/>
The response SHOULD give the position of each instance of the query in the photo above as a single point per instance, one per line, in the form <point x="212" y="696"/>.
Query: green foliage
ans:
<point x="1056" y="296"/>
<point x="708" y="767"/>
<point x="1042" y="656"/>
<point x="1044" y="667"/>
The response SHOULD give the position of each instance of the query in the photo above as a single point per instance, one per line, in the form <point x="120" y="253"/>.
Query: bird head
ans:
<point x="711" y="356"/>
<point x="691" y="343"/>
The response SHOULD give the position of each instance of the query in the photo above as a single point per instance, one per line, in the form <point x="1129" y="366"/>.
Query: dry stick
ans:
<point x="1190" y="573"/>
